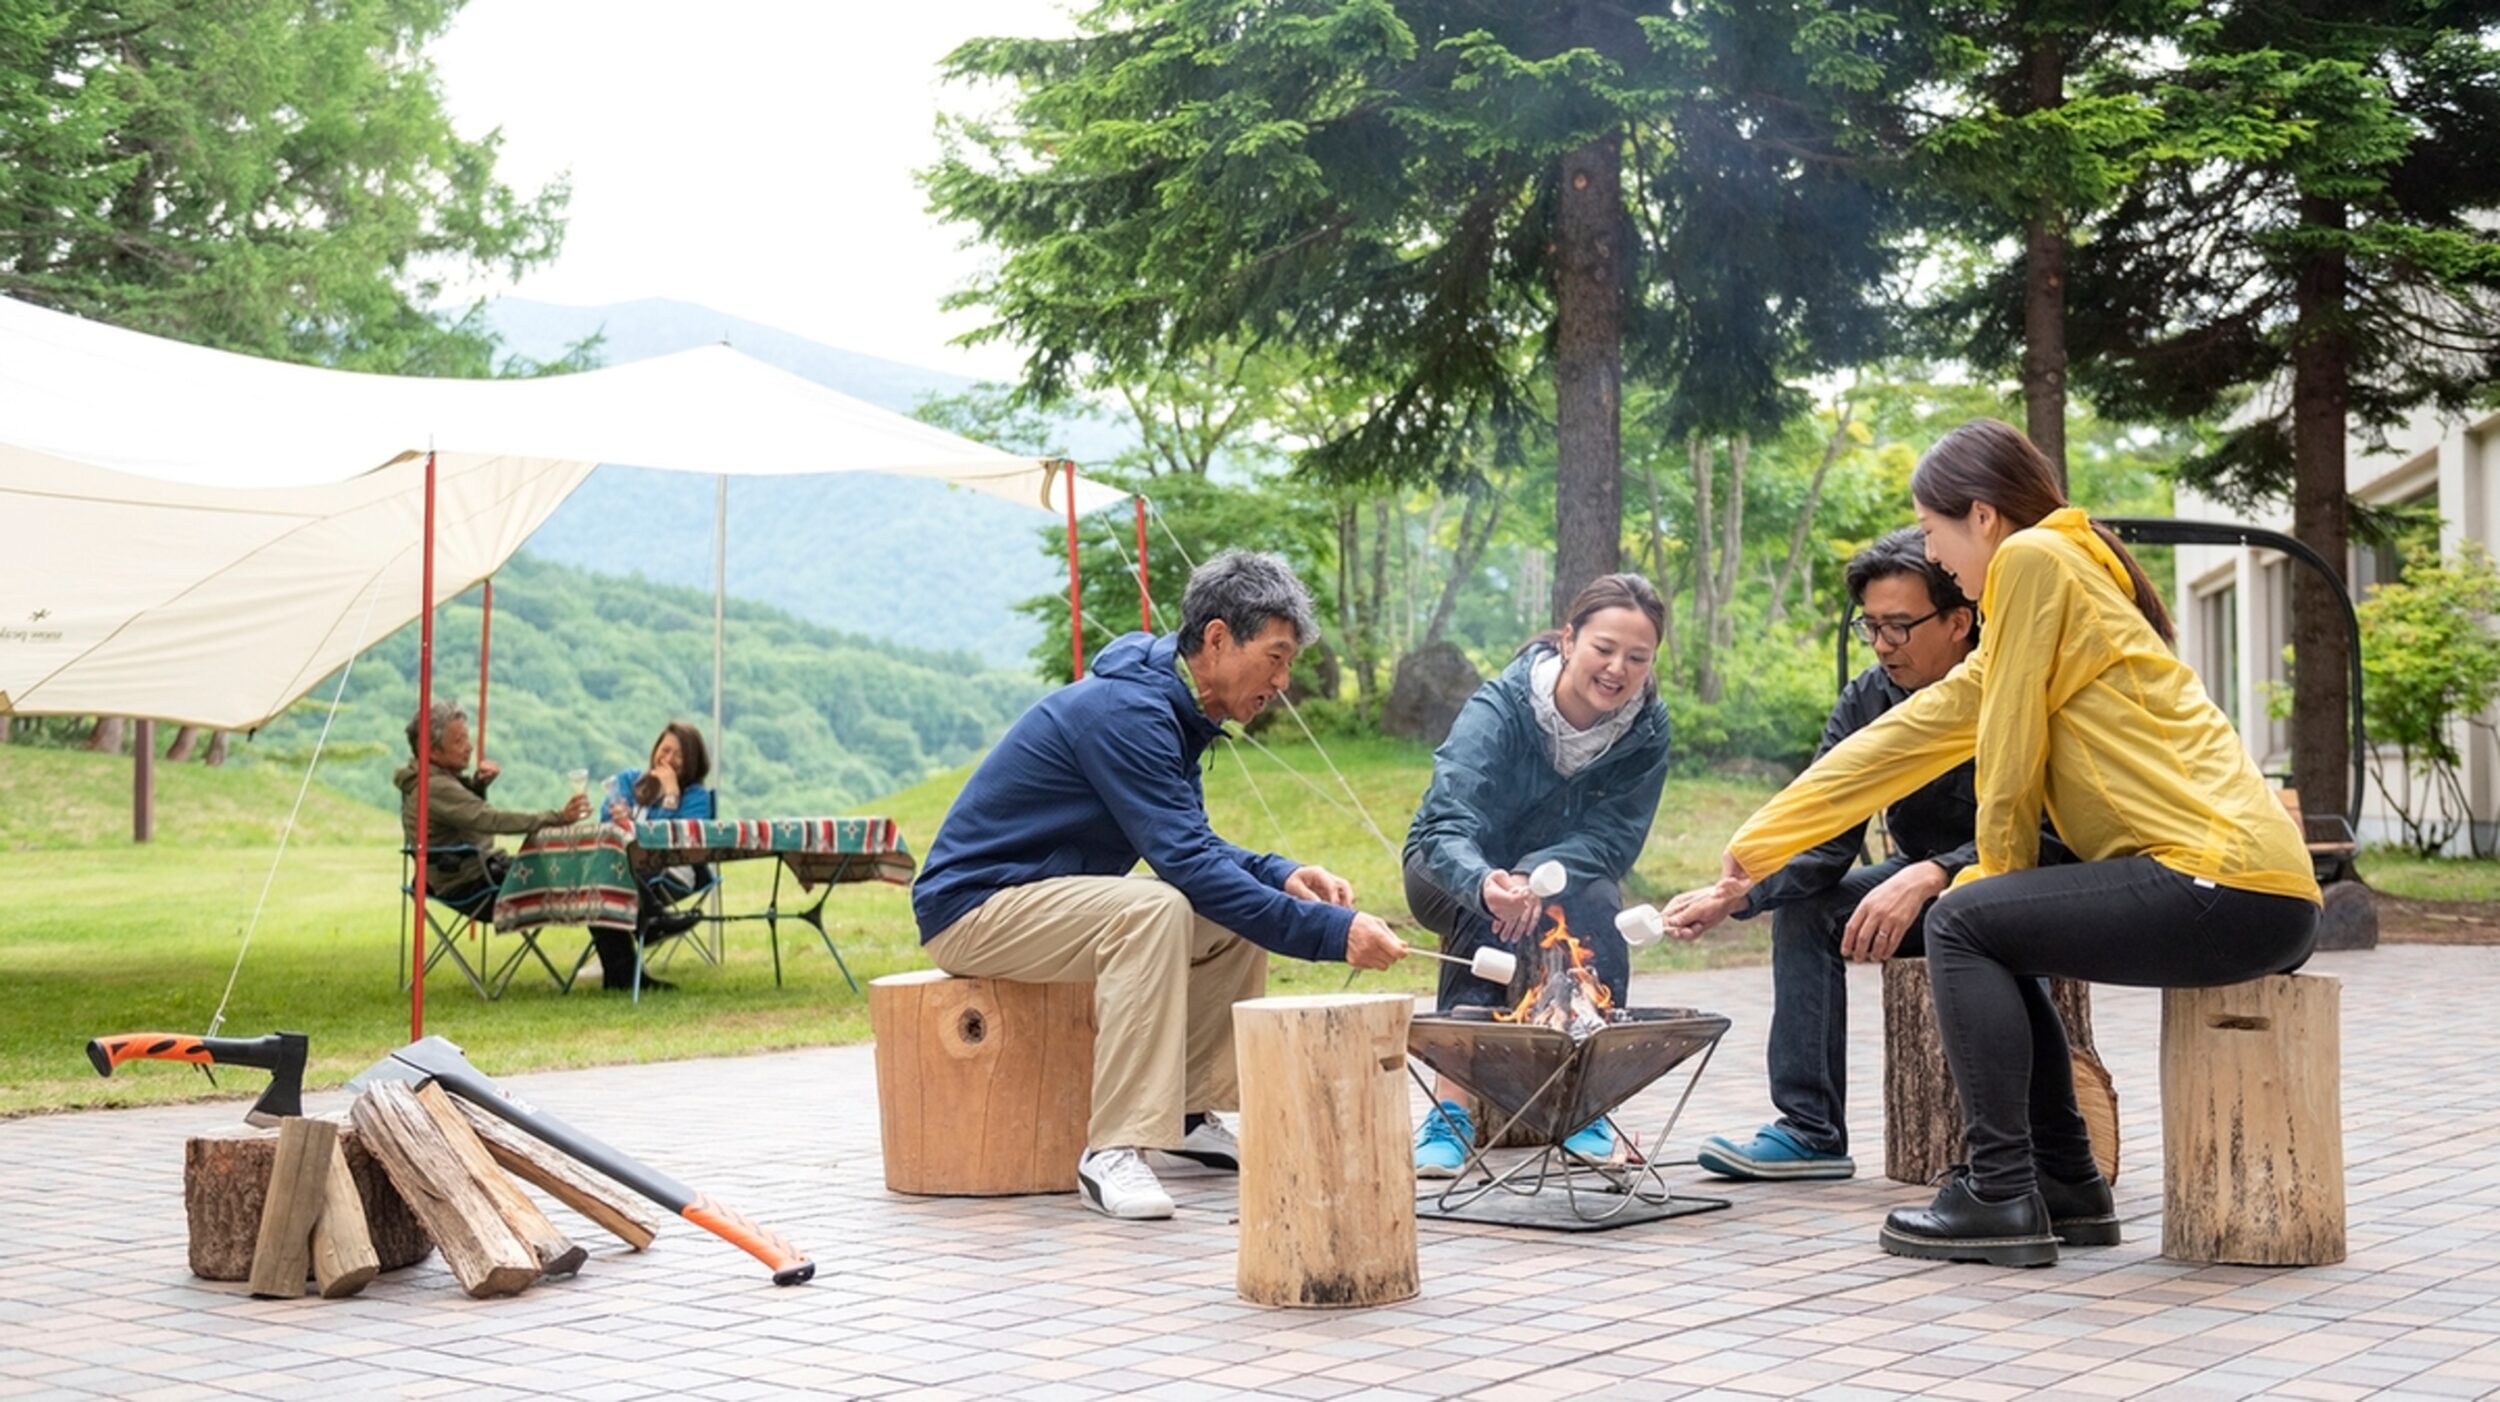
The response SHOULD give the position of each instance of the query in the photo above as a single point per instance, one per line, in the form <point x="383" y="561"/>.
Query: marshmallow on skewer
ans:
<point x="1547" y="880"/>
<point x="1640" y="926"/>
<point x="1494" y="965"/>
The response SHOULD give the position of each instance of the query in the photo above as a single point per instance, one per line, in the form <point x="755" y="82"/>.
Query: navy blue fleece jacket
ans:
<point x="1094" y="778"/>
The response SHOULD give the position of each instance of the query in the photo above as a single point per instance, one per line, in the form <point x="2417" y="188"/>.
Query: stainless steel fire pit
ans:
<point x="1542" y="1083"/>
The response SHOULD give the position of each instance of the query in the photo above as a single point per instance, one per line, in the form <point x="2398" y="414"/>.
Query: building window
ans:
<point x="2218" y="624"/>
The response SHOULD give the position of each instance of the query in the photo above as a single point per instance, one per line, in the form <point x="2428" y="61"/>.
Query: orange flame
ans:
<point x="1552" y="1005"/>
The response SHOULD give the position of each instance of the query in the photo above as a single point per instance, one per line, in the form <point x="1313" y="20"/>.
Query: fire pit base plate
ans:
<point x="1551" y="1210"/>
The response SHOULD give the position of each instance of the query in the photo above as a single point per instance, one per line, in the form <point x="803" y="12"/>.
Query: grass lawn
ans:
<point x="105" y="937"/>
<point x="2397" y="872"/>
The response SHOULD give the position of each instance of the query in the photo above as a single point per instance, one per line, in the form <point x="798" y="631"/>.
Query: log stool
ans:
<point x="1922" y="1111"/>
<point x="225" y="1182"/>
<point x="984" y="1087"/>
<point x="2253" y="1122"/>
<point x="1327" y="1174"/>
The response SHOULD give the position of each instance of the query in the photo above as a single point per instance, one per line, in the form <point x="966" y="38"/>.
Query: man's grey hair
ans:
<point x="1247" y="590"/>
<point x="440" y="717"/>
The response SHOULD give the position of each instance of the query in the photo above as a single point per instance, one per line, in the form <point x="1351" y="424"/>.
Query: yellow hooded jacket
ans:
<point x="2071" y="702"/>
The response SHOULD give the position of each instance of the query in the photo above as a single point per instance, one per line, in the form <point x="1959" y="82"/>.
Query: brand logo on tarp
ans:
<point x="32" y="634"/>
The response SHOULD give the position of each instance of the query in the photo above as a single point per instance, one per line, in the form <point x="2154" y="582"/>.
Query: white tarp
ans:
<point x="199" y="537"/>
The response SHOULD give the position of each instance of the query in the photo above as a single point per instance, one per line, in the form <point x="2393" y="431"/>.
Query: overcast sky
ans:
<point x="755" y="156"/>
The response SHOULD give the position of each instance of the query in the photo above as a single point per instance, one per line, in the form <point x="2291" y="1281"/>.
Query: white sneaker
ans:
<point x="1210" y="1145"/>
<point x="1117" y="1183"/>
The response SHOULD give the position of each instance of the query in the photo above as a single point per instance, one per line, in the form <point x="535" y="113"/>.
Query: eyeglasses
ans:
<point x="1868" y="629"/>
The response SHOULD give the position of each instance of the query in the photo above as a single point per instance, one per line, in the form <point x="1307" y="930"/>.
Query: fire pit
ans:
<point x="1546" y="1083"/>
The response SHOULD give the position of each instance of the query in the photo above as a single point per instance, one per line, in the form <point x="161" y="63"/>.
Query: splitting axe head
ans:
<point x="433" y="1060"/>
<point x="281" y="1054"/>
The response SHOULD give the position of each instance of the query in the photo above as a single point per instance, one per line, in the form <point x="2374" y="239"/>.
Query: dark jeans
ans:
<point x="616" y="944"/>
<point x="2131" y="922"/>
<point x="469" y="883"/>
<point x="1589" y="904"/>
<point x="1809" y="1052"/>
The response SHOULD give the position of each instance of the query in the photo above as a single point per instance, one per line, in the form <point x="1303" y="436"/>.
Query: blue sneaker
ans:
<point x="1442" y="1141"/>
<point x="1595" y="1142"/>
<point x="1772" y="1154"/>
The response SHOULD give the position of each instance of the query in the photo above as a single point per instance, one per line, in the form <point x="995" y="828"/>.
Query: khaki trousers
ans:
<point x="1165" y="982"/>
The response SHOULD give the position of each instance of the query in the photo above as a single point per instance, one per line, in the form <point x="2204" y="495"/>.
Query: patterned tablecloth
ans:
<point x="583" y="873"/>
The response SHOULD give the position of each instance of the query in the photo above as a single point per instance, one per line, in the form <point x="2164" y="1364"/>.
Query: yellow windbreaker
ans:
<point x="2070" y="702"/>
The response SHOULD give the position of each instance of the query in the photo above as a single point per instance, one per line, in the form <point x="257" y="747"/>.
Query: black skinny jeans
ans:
<point x="2132" y="922"/>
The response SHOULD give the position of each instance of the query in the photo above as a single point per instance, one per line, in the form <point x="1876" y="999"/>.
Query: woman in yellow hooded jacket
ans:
<point x="2189" y="872"/>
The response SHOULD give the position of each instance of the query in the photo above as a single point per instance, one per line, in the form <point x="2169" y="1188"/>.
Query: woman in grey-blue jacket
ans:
<point x="1559" y="758"/>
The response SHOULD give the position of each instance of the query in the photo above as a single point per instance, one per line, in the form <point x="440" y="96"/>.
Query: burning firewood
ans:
<point x="1567" y="994"/>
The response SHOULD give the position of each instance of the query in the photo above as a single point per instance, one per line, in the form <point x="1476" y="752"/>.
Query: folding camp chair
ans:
<point x="460" y="912"/>
<point x="668" y="895"/>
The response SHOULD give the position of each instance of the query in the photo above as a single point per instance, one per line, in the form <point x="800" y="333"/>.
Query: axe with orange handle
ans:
<point x="281" y="1054"/>
<point x="441" y="1063"/>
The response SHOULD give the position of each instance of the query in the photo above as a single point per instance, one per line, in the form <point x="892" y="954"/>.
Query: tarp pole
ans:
<point x="425" y="756"/>
<point x="485" y="627"/>
<point x="1076" y="607"/>
<point x="143" y="784"/>
<point x="720" y="594"/>
<point x="1145" y="601"/>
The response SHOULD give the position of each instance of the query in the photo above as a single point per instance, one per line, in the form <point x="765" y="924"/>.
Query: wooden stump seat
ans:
<point x="1923" y="1112"/>
<point x="2252" y="1122"/>
<point x="984" y="1087"/>
<point x="1327" y="1171"/>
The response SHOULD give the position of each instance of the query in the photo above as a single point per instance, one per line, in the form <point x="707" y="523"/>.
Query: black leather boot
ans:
<point x="2081" y="1214"/>
<point x="1961" y="1226"/>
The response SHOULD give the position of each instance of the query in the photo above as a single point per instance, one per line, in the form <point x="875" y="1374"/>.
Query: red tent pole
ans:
<point x="1076" y="606"/>
<point x="485" y="627"/>
<point x="425" y="756"/>
<point x="1145" y="601"/>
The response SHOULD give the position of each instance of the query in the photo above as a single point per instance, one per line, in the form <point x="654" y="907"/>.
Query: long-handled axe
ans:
<point x="281" y="1054"/>
<point x="441" y="1063"/>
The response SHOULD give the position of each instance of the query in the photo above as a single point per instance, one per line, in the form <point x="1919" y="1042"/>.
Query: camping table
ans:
<point x="585" y="873"/>
<point x="819" y="852"/>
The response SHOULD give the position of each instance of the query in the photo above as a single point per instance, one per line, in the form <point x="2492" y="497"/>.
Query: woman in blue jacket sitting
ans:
<point x="1560" y="758"/>
<point x="668" y="787"/>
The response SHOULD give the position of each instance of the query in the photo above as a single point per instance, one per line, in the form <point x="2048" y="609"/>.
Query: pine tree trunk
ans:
<point x="1588" y="368"/>
<point x="2044" y="277"/>
<point x="106" y="738"/>
<point x="1472" y="540"/>
<point x="216" y="755"/>
<point x="1376" y="635"/>
<point x="1705" y="597"/>
<point x="186" y="740"/>
<point x="2321" y="680"/>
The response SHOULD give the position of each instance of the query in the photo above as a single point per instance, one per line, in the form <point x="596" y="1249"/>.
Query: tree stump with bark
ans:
<point x="1923" y="1112"/>
<point x="2252" y="1122"/>
<point x="225" y="1180"/>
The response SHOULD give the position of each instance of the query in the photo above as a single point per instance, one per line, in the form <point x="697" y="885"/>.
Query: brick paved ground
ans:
<point x="1784" y="1294"/>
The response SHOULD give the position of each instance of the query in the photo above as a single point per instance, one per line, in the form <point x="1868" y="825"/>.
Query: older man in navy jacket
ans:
<point x="1029" y="878"/>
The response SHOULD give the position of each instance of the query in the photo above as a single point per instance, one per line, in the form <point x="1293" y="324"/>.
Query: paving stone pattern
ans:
<point x="1785" y="1294"/>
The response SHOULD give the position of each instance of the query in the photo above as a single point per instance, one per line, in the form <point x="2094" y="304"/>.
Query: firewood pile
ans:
<point x="410" y="1171"/>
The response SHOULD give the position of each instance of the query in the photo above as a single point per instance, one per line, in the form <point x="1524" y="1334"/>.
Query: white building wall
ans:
<point x="2455" y="462"/>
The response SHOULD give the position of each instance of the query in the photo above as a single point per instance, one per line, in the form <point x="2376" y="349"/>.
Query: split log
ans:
<point x="298" y="1182"/>
<point x="1923" y="1112"/>
<point x="343" y="1259"/>
<point x="2253" y="1123"/>
<point x="561" y="1177"/>
<point x="556" y="1253"/>
<point x="1327" y="1177"/>
<point x="225" y="1178"/>
<point x="479" y="1246"/>
<point x="984" y="1087"/>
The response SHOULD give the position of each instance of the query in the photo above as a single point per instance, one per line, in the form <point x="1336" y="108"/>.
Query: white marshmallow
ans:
<point x="1494" y="965"/>
<point x="1640" y="926"/>
<point x="1547" y="880"/>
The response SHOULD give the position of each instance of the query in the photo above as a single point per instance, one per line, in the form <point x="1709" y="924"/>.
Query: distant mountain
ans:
<point x="903" y="560"/>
